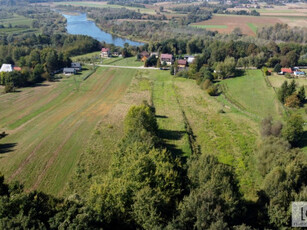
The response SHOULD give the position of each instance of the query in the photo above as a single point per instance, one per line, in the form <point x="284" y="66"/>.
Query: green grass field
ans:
<point x="16" y="20"/>
<point x="251" y="94"/>
<point x="100" y="5"/>
<point x="117" y="61"/>
<point x="253" y="27"/>
<point x="49" y="125"/>
<point x="210" y="26"/>
<point x="62" y="134"/>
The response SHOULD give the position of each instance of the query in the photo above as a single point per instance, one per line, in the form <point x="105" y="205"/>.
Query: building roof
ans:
<point x="105" y="50"/>
<point x="76" y="64"/>
<point x="166" y="56"/>
<point x="144" y="53"/>
<point x="6" y="68"/>
<point x="191" y="59"/>
<point x="69" y="70"/>
<point x="299" y="73"/>
<point x="286" y="70"/>
<point x="182" y="62"/>
<point x="17" y="68"/>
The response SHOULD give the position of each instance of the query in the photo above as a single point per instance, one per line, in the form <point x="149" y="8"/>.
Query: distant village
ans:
<point x="162" y="61"/>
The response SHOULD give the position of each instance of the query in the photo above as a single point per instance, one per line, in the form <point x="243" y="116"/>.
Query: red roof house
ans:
<point x="286" y="70"/>
<point x="168" y="58"/>
<point x="17" y="68"/>
<point x="105" y="52"/>
<point x="182" y="62"/>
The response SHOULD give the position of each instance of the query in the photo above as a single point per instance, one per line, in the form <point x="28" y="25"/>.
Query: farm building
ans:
<point x="144" y="55"/>
<point x="167" y="58"/>
<point x="105" y="52"/>
<point x="182" y="63"/>
<point x="299" y="73"/>
<point x="76" y="65"/>
<point x="286" y="70"/>
<point x="189" y="58"/>
<point x="6" y="68"/>
<point x="69" y="71"/>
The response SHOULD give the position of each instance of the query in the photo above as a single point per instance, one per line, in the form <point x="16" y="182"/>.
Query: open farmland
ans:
<point x="104" y="5"/>
<point x="18" y="21"/>
<point x="247" y="24"/>
<point x="259" y="99"/>
<point x="49" y="125"/>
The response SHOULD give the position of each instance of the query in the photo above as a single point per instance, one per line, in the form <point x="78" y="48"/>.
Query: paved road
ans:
<point x="127" y="67"/>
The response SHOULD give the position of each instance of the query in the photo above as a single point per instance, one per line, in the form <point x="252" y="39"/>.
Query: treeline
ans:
<point x="124" y="3"/>
<point x="282" y="32"/>
<point x="150" y="187"/>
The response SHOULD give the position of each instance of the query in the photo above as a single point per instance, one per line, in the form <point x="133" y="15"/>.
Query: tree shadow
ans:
<point x="161" y="116"/>
<point x="6" y="148"/>
<point x="171" y="134"/>
<point x="303" y="142"/>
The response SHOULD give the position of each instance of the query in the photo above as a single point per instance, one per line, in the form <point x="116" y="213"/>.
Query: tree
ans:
<point x="277" y="68"/>
<point x="301" y="95"/>
<point x="293" y="129"/>
<point x="226" y="68"/>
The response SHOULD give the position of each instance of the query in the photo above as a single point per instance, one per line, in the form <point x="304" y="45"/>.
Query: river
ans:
<point x="79" y="24"/>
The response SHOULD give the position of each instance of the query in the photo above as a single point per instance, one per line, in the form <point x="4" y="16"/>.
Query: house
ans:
<point x="286" y="70"/>
<point x="69" y="71"/>
<point x="182" y="63"/>
<point x="105" y="52"/>
<point x="189" y="58"/>
<point x="144" y="55"/>
<point x="299" y="73"/>
<point x="167" y="58"/>
<point x="115" y="54"/>
<point x="76" y="65"/>
<point x="6" y="68"/>
<point x="17" y="68"/>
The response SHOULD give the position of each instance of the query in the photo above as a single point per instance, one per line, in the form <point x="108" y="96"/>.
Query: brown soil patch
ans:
<point x="233" y="21"/>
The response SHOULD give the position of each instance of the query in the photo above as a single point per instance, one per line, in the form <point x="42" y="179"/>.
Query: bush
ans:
<point x="9" y="88"/>
<point x="213" y="90"/>
<point x="292" y="101"/>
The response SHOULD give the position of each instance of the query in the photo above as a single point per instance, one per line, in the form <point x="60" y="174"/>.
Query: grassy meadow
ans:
<point x="62" y="134"/>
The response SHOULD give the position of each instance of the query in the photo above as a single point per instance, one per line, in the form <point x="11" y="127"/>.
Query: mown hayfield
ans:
<point x="49" y="126"/>
<point x="117" y="61"/>
<point x="16" y="20"/>
<point x="247" y="24"/>
<point x="251" y="94"/>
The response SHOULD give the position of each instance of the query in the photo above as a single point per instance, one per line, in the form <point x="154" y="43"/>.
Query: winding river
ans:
<point x="79" y="24"/>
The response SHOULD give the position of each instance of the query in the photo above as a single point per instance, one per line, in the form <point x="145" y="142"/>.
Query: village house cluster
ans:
<point x="295" y="71"/>
<point x="73" y="69"/>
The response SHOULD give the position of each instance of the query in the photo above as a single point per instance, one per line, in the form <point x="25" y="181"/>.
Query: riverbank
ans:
<point x="81" y="24"/>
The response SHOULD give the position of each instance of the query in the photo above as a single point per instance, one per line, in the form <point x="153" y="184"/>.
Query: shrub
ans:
<point x="213" y="90"/>
<point x="292" y="101"/>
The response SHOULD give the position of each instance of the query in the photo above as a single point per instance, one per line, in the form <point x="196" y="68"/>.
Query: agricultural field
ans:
<point x="49" y="125"/>
<point x="117" y="61"/>
<point x="69" y="133"/>
<point x="291" y="14"/>
<point x="259" y="99"/>
<point x="104" y="5"/>
<point x="227" y="23"/>
<point x="16" y="20"/>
